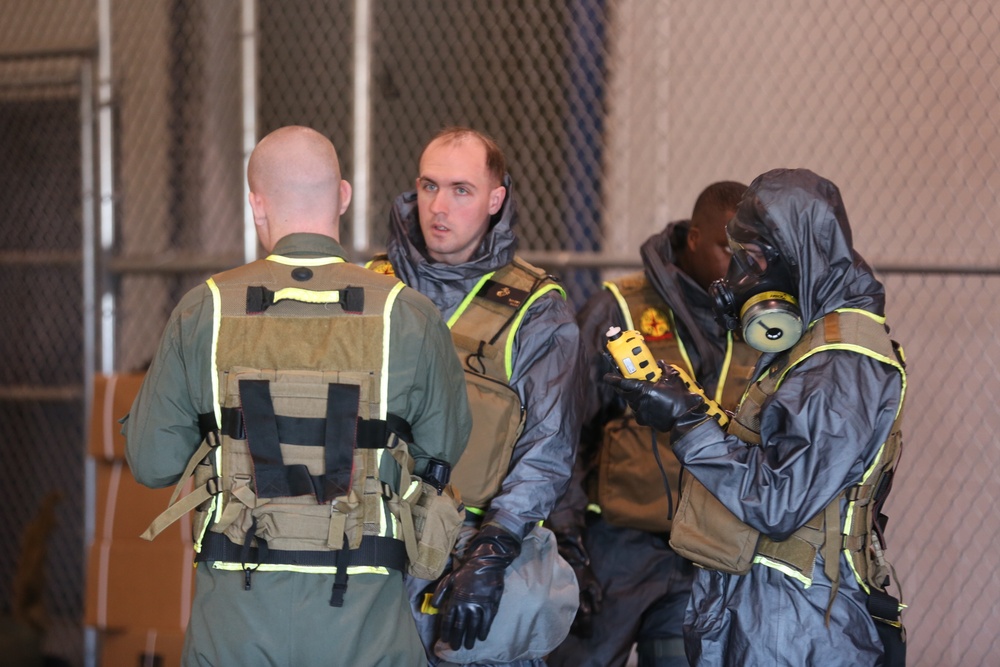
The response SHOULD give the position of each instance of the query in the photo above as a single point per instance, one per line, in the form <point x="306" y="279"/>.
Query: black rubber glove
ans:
<point x="573" y="552"/>
<point x="658" y="404"/>
<point x="467" y="598"/>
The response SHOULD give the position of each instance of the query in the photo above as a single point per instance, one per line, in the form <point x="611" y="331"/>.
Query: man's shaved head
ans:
<point x="295" y="184"/>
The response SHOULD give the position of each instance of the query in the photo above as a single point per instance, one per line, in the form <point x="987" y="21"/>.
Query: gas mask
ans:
<point x="756" y="294"/>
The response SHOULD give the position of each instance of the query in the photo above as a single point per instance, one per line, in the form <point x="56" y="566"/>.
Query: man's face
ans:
<point x="455" y="199"/>
<point x="709" y="250"/>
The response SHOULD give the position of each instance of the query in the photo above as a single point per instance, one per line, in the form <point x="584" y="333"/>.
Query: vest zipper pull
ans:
<point x="246" y="579"/>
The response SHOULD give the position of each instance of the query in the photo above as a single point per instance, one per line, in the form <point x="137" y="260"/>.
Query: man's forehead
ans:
<point x="454" y="160"/>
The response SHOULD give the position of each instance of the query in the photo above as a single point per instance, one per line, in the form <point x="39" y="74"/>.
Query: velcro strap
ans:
<point x="374" y="551"/>
<point x="794" y="551"/>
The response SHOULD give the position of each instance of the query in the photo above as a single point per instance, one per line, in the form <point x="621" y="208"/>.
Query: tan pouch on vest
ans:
<point x="630" y="486"/>
<point x="437" y="518"/>
<point x="708" y="534"/>
<point x="497" y="422"/>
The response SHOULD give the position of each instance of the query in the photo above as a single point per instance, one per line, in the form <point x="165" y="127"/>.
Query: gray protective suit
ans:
<point x="545" y="361"/>
<point x="819" y="432"/>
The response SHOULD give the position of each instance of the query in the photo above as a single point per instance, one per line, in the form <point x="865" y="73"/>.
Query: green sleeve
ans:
<point x="161" y="430"/>
<point x="426" y="381"/>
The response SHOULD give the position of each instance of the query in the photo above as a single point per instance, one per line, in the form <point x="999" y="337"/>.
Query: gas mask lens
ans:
<point x="752" y="258"/>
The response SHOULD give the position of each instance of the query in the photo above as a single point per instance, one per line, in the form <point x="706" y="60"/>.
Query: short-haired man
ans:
<point x="453" y="239"/>
<point x="315" y="387"/>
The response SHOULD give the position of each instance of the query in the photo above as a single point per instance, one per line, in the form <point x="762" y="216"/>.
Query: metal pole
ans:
<point x="106" y="180"/>
<point x="362" y="125"/>
<point x="248" y="35"/>
<point x="88" y="230"/>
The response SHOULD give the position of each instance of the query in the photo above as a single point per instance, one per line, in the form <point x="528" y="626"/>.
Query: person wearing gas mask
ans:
<point x="613" y="522"/>
<point x="783" y="508"/>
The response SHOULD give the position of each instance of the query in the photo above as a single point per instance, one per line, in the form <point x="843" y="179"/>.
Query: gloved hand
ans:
<point x="468" y="598"/>
<point x="573" y="551"/>
<point x="658" y="404"/>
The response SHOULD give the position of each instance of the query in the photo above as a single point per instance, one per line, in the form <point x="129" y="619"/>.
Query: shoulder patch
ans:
<point x="383" y="267"/>
<point x="502" y="294"/>
<point x="654" y="325"/>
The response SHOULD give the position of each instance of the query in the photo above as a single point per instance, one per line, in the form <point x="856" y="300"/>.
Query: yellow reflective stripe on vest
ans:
<point x="508" y="357"/>
<point x="216" y="505"/>
<point x="386" y="329"/>
<point x="876" y="461"/>
<point x="305" y="569"/>
<point x="622" y="304"/>
<point x="304" y="261"/>
<point x="467" y="300"/>
<point x="784" y="569"/>
<point x="724" y="372"/>
<point x="630" y="324"/>
<point x="849" y="515"/>
<point x="855" y="348"/>
<point x="681" y="348"/>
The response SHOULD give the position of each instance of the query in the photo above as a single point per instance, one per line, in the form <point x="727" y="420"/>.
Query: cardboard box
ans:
<point x="113" y="397"/>
<point x="135" y="583"/>
<point x="124" y="508"/>
<point x="141" y="648"/>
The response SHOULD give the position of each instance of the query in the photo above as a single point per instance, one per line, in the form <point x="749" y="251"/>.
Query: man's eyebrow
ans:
<point x="463" y="184"/>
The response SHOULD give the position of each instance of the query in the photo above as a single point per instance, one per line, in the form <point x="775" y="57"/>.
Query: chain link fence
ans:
<point x="614" y="115"/>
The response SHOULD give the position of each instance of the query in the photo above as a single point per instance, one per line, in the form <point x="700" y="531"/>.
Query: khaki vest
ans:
<point x="483" y="329"/>
<point x="629" y="488"/>
<point x="712" y="537"/>
<point x="306" y="468"/>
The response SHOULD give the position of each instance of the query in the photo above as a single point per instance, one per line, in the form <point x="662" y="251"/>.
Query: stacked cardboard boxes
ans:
<point x="138" y="592"/>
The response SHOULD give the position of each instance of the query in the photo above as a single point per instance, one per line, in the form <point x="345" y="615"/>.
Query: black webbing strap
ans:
<point x="374" y="551"/>
<point x="272" y="478"/>
<point x="340" y="578"/>
<point x="342" y="402"/>
<point x="310" y="431"/>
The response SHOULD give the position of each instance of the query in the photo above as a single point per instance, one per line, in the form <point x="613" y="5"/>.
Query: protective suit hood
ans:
<point x="803" y="216"/>
<point x="659" y="258"/>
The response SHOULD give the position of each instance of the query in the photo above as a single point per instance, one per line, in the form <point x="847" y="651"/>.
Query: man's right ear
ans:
<point x="257" y="207"/>
<point x="693" y="236"/>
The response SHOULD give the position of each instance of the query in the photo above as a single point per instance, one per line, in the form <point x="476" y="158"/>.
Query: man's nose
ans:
<point x="438" y="203"/>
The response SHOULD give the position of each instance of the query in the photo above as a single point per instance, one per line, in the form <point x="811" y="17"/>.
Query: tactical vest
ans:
<point x="859" y="535"/>
<point x="629" y="490"/>
<point x="482" y="329"/>
<point x="301" y="467"/>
